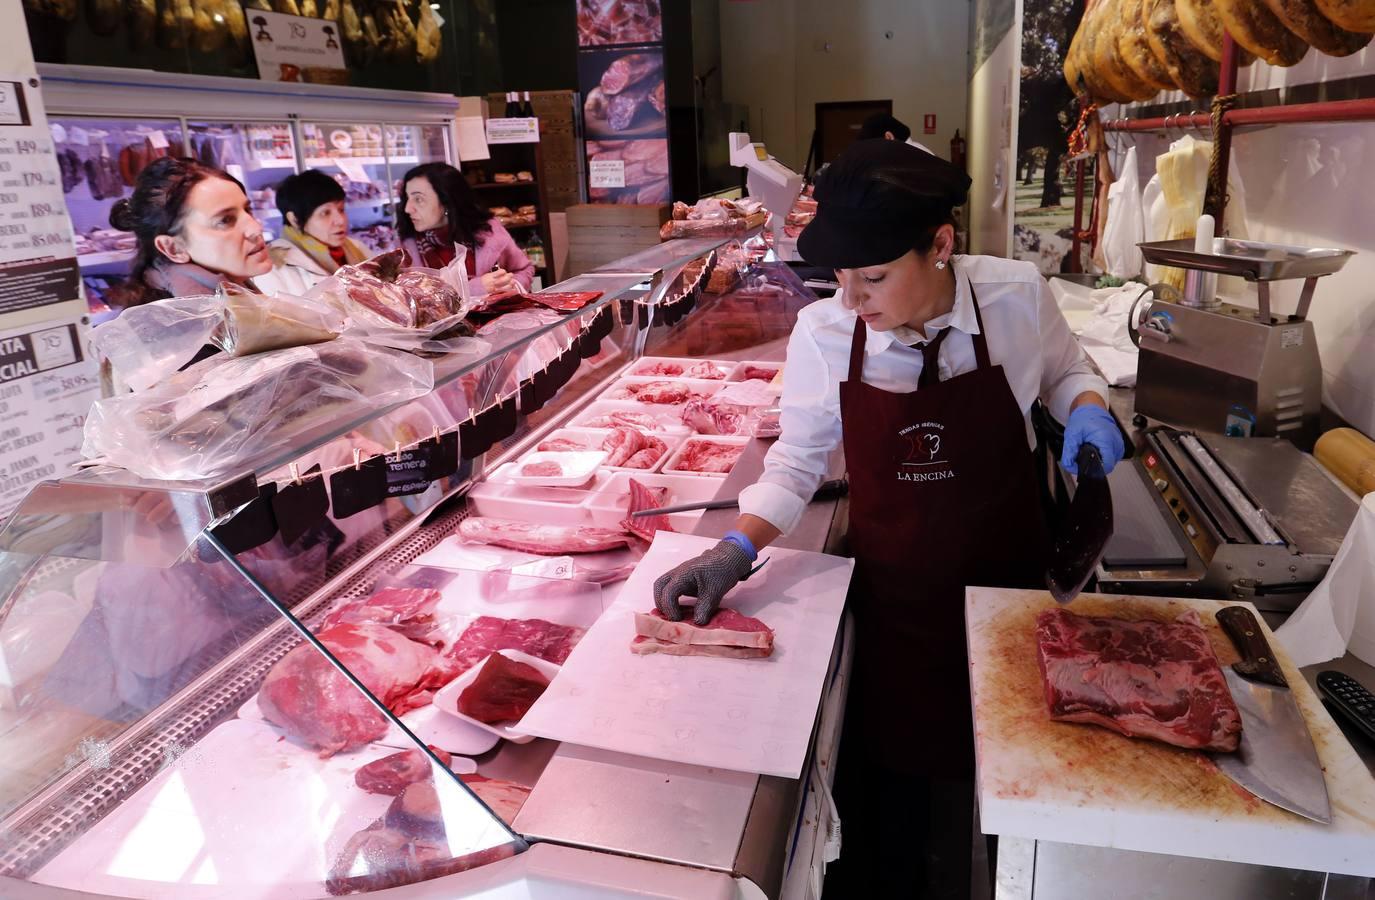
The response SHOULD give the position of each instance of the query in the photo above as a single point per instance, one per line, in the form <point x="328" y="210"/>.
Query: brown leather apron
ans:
<point x="942" y="495"/>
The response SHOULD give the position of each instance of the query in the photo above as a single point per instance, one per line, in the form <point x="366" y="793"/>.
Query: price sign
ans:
<point x="37" y="257"/>
<point x="607" y="173"/>
<point x="513" y="131"/>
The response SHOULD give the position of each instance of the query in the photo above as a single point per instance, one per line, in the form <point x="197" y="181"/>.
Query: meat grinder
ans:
<point x="1229" y="369"/>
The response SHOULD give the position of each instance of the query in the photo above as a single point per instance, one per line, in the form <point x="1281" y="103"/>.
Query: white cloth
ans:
<point x="1340" y="613"/>
<point x="1125" y="227"/>
<point x="1104" y="336"/>
<point x="1026" y="335"/>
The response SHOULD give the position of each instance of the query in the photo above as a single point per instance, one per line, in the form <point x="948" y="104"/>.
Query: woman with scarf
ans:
<point x="315" y="235"/>
<point x="440" y="214"/>
<point x="195" y="230"/>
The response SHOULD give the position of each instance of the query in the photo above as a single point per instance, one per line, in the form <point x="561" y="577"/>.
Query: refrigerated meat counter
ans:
<point x="163" y="725"/>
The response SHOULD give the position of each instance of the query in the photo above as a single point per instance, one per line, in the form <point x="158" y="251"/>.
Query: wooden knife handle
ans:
<point x="1258" y="661"/>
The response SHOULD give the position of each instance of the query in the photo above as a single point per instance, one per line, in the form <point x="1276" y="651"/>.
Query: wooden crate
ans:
<point x="602" y="233"/>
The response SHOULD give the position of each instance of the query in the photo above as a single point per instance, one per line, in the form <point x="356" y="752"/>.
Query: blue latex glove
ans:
<point x="1094" y="425"/>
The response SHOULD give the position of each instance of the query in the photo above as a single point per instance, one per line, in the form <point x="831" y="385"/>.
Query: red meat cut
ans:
<point x="548" y="641"/>
<point x="503" y="691"/>
<point x="409" y="611"/>
<point x="1157" y="680"/>
<point x="548" y="540"/>
<point x="727" y="628"/>
<point x="641" y="498"/>
<point x="621" y="444"/>
<point x="547" y="469"/>
<point x="390" y="775"/>
<point x="708" y="456"/>
<point x="312" y="701"/>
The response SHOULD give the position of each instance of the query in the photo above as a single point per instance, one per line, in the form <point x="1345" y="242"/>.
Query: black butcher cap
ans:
<point x="875" y="201"/>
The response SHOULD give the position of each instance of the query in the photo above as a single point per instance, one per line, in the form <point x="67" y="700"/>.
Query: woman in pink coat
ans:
<point x="440" y="213"/>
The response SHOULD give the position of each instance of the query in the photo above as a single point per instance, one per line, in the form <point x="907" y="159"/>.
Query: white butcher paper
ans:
<point x="746" y="715"/>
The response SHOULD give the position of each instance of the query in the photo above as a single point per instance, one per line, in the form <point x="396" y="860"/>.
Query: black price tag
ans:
<point x="470" y="439"/>
<point x="606" y="323"/>
<point x="545" y="388"/>
<point x="299" y="507"/>
<point x="360" y="488"/>
<point x="529" y="397"/>
<point x="504" y="420"/>
<point x="408" y="472"/>
<point x="252" y="526"/>
<point x="588" y="343"/>
<point x="627" y="310"/>
<point x="444" y="456"/>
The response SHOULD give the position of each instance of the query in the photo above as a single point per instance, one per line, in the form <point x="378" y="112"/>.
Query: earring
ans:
<point x="940" y="264"/>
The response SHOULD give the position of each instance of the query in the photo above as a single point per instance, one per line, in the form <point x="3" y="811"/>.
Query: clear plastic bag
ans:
<point x="225" y="415"/>
<point x="383" y="293"/>
<point x="145" y="345"/>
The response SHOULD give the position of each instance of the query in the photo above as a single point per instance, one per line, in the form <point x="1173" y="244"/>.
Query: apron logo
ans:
<point x="920" y="454"/>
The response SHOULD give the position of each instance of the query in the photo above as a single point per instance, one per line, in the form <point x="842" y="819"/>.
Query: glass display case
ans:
<point x="191" y="699"/>
<point x="259" y="154"/>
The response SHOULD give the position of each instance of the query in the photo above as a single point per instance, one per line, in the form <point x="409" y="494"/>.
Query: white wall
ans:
<point x="782" y="57"/>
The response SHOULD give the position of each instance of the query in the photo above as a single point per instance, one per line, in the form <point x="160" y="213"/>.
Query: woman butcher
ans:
<point x="924" y="367"/>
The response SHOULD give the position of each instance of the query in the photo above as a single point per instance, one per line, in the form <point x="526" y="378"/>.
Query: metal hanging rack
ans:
<point x="1322" y="111"/>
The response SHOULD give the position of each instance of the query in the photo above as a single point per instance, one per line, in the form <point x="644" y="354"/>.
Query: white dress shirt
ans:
<point x="1026" y="335"/>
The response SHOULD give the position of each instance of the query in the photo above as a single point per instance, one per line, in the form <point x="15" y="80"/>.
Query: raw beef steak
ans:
<point x="727" y="628"/>
<point x="409" y="611"/>
<point x="643" y="646"/>
<point x="391" y="774"/>
<point x="503" y="691"/>
<point x="1157" y="680"/>
<point x="488" y="634"/>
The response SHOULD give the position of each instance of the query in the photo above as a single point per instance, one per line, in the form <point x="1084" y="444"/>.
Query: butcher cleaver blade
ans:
<point x="1085" y="531"/>
<point x="1276" y="760"/>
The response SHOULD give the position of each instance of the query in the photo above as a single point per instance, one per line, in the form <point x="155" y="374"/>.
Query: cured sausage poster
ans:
<point x="625" y="110"/>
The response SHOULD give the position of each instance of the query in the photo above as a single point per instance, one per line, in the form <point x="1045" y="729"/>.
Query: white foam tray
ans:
<point x="697" y="385"/>
<point x="446" y="698"/>
<point x="671" y="467"/>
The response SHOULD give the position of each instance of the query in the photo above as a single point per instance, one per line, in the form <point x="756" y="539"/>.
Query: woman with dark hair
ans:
<point x="441" y="213"/>
<point x="194" y="228"/>
<point x="924" y="367"/>
<point x="315" y="235"/>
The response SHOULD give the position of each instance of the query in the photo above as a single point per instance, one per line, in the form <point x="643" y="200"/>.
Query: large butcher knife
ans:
<point x="1085" y="531"/>
<point x="1276" y="760"/>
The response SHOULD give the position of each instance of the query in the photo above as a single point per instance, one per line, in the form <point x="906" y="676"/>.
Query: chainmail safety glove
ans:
<point x="709" y="577"/>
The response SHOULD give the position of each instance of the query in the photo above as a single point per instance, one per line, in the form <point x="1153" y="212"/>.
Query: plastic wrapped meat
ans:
<point x="547" y="540"/>
<point x="305" y="695"/>
<point x="548" y="641"/>
<point x="430" y="297"/>
<point x="503" y="691"/>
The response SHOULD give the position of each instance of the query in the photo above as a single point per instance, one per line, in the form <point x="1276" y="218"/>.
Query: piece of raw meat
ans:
<point x="711" y="417"/>
<point x="505" y="798"/>
<point x="563" y="445"/>
<point x="644" y="646"/>
<point x="503" y="691"/>
<point x="706" y="370"/>
<point x="546" y="469"/>
<point x="642" y="497"/>
<point x="759" y="372"/>
<point x="564" y="301"/>
<point x="1157" y="680"/>
<point x="622" y="444"/>
<point x="640" y="420"/>
<point x="708" y="456"/>
<point x="409" y="611"/>
<point x="548" y="641"/>
<point x="727" y="628"/>
<point x="630" y="69"/>
<point x="657" y="392"/>
<point x="409" y="843"/>
<point x="305" y="695"/>
<point x="431" y="298"/>
<point x="653" y="451"/>
<point x="662" y="368"/>
<point x="547" y="540"/>
<point x="391" y="774"/>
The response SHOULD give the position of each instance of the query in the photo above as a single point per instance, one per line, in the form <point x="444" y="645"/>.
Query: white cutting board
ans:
<point x="748" y="715"/>
<point x="1082" y="784"/>
<point x="242" y="815"/>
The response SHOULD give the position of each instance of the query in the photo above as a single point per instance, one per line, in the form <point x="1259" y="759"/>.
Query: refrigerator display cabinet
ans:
<point x="139" y="619"/>
<point x="109" y="123"/>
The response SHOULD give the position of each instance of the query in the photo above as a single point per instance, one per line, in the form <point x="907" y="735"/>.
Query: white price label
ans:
<point x="157" y="140"/>
<point x="513" y="131"/>
<point x="607" y="173"/>
<point x="12" y="110"/>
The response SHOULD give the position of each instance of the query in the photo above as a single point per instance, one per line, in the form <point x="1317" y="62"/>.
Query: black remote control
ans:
<point x="1349" y="697"/>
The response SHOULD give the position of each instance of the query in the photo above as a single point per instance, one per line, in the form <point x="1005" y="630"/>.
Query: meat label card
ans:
<point x="37" y="257"/>
<point x="747" y="715"/>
